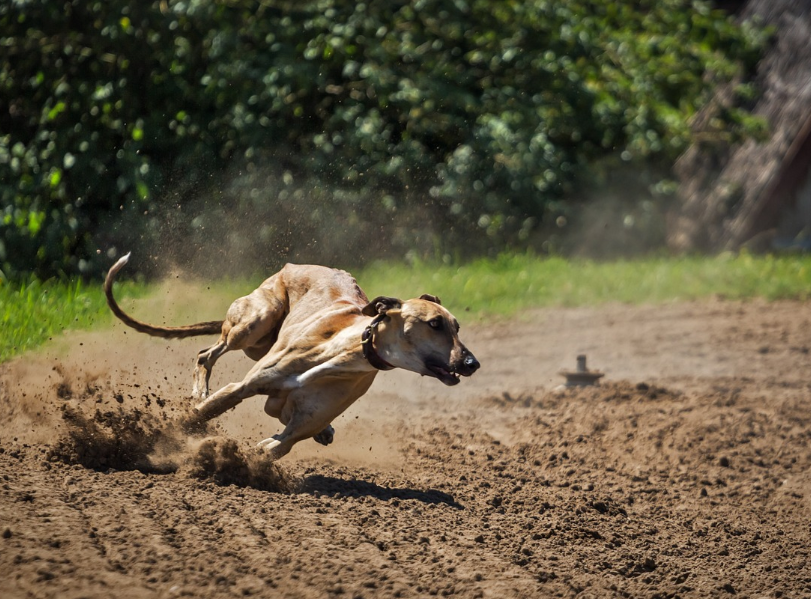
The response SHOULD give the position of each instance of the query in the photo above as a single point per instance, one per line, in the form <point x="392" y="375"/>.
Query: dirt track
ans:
<point x="686" y="473"/>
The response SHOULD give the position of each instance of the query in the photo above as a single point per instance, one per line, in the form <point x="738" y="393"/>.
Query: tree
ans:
<point x="468" y="117"/>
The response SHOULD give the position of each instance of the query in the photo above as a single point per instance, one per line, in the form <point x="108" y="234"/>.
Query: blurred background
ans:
<point x="230" y="136"/>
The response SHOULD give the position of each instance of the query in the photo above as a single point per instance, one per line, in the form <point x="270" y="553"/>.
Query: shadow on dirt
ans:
<point x="339" y="487"/>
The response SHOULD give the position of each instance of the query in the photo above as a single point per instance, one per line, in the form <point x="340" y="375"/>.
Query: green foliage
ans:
<point x="32" y="312"/>
<point x="471" y="118"/>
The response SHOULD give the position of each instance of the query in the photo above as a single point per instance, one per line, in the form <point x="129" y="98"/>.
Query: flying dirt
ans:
<point x="686" y="472"/>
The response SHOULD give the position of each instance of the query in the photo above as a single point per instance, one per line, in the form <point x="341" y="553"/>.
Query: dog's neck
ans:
<point x="369" y="351"/>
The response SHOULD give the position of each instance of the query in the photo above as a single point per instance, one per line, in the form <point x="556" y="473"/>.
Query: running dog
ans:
<point x="318" y="343"/>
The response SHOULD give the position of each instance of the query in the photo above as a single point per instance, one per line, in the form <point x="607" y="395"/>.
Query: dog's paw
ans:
<point x="326" y="436"/>
<point x="268" y="443"/>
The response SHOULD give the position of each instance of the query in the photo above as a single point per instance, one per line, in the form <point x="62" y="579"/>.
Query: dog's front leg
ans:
<point x="222" y="401"/>
<point x="258" y="381"/>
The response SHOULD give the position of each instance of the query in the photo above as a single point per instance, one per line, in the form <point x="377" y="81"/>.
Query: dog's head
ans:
<point x="421" y="336"/>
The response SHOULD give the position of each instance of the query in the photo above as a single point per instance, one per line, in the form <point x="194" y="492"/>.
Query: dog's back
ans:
<point x="312" y="295"/>
<point x="311" y="287"/>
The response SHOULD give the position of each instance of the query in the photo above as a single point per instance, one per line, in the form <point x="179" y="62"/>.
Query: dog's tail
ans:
<point x="192" y="330"/>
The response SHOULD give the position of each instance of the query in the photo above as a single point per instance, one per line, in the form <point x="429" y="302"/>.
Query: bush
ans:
<point x="430" y="125"/>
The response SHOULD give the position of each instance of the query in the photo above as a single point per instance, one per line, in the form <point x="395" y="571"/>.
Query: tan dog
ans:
<point x="319" y="344"/>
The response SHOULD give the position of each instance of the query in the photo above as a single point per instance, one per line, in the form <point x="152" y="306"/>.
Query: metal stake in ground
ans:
<point x="582" y="377"/>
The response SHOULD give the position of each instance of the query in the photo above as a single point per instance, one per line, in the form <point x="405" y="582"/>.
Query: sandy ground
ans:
<point x="686" y="473"/>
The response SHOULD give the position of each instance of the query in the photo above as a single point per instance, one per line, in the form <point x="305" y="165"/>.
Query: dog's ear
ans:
<point x="430" y="298"/>
<point x="381" y="305"/>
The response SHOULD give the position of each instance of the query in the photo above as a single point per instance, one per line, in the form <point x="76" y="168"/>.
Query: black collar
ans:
<point x="367" y="341"/>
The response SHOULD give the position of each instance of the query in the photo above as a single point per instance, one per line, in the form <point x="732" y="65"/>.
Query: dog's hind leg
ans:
<point x="326" y="436"/>
<point x="236" y="334"/>
<point x="202" y="369"/>
<point x="251" y="324"/>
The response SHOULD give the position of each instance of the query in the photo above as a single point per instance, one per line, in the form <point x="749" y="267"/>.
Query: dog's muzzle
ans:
<point x="469" y="364"/>
<point x="449" y="374"/>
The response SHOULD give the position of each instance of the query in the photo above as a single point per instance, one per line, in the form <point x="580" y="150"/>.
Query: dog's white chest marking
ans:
<point x="308" y="377"/>
<point x="337" y="366"/>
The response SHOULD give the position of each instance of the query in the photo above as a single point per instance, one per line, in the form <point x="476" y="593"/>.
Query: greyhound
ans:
<point x="318" y="343"/>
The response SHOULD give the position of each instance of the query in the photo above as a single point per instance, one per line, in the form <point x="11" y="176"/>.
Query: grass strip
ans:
<point x="33" y="311"/>
<point x="510" y="283"/>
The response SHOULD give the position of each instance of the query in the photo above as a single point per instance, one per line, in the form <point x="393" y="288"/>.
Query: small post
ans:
<point x="582" y="376"/>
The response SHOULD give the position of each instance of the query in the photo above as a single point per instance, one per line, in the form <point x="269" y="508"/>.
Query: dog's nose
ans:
<point x="471" y="364"/>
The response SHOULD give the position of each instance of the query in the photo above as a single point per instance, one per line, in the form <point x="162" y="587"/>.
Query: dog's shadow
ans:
<point x="340" y="487"/>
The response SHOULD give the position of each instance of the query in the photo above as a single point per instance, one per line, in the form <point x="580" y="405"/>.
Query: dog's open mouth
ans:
<point x="448" y="377"/>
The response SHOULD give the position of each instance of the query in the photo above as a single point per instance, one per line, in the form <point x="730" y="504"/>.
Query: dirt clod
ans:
<point x="227" y="463"/>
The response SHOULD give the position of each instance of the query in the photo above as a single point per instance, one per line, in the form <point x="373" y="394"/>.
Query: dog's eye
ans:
<point x="435" y="323"/>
